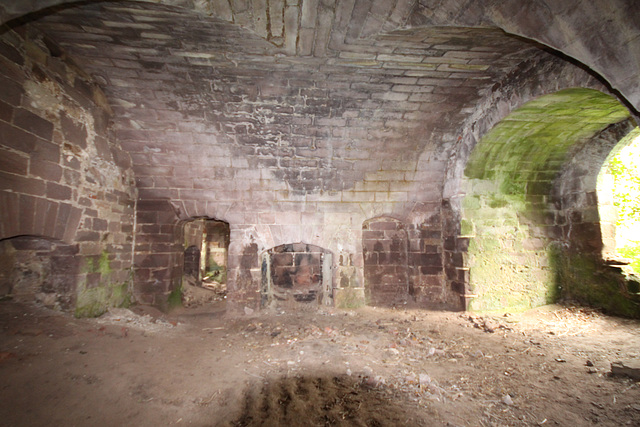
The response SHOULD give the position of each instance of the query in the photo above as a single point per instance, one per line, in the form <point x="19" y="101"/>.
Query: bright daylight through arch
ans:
<point x="619" y="195"/>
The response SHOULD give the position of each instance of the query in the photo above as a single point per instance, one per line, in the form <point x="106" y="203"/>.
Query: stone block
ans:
<point x="13" y="163"/>
<point x="627" y="368"/>
<point x="58" y="192"/>
<point x="6" y="112"/>
<point x="33" y="123"/>
<point x="74" y="132"/>
<point x="46" y="170"/>
<point x="45" y="151"/>
<point x="11" y="92"/>
<point x="19" y="184"/>
<point x="13" y="137"/>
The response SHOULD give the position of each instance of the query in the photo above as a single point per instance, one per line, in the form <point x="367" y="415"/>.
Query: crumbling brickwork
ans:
<point x="62" y="176"/>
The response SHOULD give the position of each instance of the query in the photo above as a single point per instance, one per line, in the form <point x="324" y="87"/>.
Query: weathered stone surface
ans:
<point x="51" y="198"/>
<point x="303" y="121"/>
<point x="627" y="368"/>
<point x="506" y="205"/>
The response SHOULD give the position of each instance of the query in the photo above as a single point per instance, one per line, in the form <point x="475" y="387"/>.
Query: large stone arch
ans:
<point x="515" y="225"/>
<point x="357" y="114"/>
<point x="537" y="77"/>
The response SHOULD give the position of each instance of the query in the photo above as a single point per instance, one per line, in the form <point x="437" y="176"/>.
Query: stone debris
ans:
<point x="628" y="368"/>
<point x="424" y="379"/>
<point x="196" y="296"/>
<point x="506" y="399"/>
<point x="484" y="323"/>
<point x="146" y="323"/>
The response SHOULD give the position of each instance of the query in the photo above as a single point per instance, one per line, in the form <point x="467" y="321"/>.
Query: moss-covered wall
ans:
<point x="585" y="279"/>
<point x="508" y="211"/>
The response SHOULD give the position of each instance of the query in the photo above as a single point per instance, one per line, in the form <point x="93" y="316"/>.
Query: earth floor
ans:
<point x="371" y="366"/>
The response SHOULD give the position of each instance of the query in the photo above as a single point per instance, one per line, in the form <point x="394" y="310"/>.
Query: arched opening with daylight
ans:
<point x="619" y="203"/>
<point x="206" y="247"/>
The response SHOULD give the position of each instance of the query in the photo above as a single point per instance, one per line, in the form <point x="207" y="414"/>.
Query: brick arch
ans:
<point x="539" y="76"/>
<point x="590" y="219"/>
<point x="27" y="215"/>
<point x="585" y="261"/>
<point x="542" y="75"/>
<point x="62" y="176"/>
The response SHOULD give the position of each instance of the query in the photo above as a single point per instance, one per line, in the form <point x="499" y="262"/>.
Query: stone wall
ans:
<point x="536" y="77"/>
<point x="41" y="270"/>
<point x="62" y="176"/>
<point x="159" y="253"/>
<point x="385" y="250"/>
<point x="287" y="150"/>
<point x="585" y="267"/>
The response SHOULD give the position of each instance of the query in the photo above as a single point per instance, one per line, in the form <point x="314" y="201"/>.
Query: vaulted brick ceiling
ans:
<point x="197" y="98"/>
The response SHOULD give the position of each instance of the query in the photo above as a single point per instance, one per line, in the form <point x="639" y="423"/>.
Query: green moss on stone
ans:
<point x="104" y="265"/>
<point x="98" y="264"/>
<point x="349" y="297"/>
<point x="466" y="228"/>
<point x="585" y="279"/>
<point x="510" y="173"/>
<point x="96" y="301"/>
<point x="175" y="298"/>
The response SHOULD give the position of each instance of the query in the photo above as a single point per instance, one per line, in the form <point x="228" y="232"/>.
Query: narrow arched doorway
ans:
<point x="618" y="189"/>
<point x="206" y="247"/>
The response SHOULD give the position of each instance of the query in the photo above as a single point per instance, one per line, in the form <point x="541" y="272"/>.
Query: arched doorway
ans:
<point x="618" y="188"/>
<point x="206" y="247"/>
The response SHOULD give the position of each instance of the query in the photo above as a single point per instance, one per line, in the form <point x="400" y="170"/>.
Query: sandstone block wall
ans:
<point x="62" y="176"/>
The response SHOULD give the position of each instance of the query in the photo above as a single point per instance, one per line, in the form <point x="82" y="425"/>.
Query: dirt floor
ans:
<point x="373" y="367"/>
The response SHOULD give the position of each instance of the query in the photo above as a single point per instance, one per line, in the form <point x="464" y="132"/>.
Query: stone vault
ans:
<point x="304" y="122"/>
